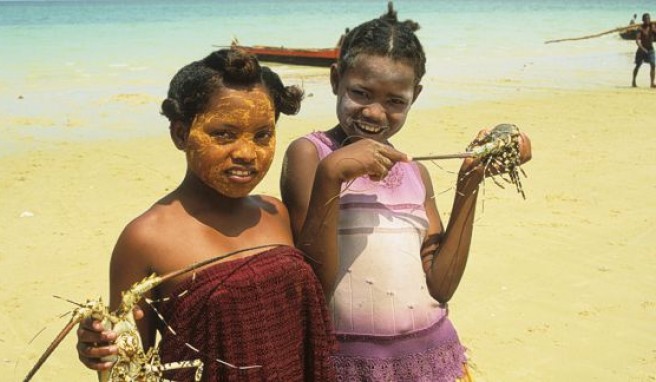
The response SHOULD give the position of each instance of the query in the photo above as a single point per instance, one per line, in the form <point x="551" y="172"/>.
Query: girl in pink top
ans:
<point x="386" y="262"/>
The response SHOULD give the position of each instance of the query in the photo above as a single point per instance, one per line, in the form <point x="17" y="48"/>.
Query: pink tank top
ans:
<point x="381" y="287"/>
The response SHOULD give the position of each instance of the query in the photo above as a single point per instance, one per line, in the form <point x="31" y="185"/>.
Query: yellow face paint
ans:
<point x="231" y="145"/>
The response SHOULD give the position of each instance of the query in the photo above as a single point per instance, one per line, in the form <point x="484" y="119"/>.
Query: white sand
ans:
<point x="559" y="286"/>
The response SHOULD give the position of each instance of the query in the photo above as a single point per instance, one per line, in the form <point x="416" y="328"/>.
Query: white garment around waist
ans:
<point x="381" y="287"/>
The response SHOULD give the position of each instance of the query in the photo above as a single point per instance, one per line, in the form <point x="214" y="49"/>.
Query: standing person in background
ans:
<point x="262" y="308"/>
<point x="645" y="51"/>
<point x="386" y="262"/>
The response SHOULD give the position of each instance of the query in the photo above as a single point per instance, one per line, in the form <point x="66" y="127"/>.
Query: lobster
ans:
<point x="133" y="363"/>
<point x="499" y="149"/>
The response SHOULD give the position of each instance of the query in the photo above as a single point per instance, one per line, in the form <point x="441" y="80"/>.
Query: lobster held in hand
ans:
<point x="133" y="362"/>
<point x="498" y="151"/>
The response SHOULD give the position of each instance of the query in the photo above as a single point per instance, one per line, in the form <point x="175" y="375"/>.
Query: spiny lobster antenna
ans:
<point x="60" y="337"/>
<point x="131" y="297"/>
<point x="202" y="263"/>
<point x="68" y="300"/>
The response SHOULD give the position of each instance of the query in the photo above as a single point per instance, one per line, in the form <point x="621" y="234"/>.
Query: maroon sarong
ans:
<point x="267" y="309"/>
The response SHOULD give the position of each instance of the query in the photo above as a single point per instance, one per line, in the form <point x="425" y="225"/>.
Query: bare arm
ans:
<point x="444" y="253"/>
<point x="297" y="179"/>
<point x="310" y="185"/>
<point x="126" y="267"/>
<point x="639" y="39"/>
<point x="130" y="263"/>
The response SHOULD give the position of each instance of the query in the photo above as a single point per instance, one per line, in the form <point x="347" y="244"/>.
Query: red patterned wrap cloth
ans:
<point x="267" y="309"/>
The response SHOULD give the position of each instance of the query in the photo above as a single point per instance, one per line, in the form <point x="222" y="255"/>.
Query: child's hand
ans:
<point x="364" y="157"/>
<point x="474" y="166"/>
<point x="95" y="343"/>
<point x="525" y="152"/>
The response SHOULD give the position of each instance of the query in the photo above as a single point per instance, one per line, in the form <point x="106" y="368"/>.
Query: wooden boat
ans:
<point x="629" y="34"/>
<point x="294" y="56"/>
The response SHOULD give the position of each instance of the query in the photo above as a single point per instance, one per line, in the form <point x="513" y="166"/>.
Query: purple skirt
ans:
<point x="433" y="354"/>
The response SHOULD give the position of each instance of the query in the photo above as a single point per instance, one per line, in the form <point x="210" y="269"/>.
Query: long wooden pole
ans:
<point x="620" y="29"/>
<point x="446" y="156"/>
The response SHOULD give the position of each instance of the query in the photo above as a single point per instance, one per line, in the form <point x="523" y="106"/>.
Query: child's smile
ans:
<point x="374" y="96"/>
<point x="231" y="146"/>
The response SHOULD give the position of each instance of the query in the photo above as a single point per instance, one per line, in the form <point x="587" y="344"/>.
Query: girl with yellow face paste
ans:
<point x="231" y="147"/>
<point x="262" y="312"/>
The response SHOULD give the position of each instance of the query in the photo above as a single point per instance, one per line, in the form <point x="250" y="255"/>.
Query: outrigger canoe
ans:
<point x="307" y="57"/>
<point x="294" y="56"/>
<point x="629" y="34"/>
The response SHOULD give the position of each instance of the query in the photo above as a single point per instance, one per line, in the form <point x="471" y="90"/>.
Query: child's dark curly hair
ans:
<point x="191" y="88"/>
<point x="384" y="36"/>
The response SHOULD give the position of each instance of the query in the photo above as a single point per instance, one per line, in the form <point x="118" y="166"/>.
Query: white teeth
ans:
<point x="239" y="173"/>
<point x="370" y="129"/>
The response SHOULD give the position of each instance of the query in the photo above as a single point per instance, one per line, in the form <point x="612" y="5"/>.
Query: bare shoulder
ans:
<point x="157" y="220"/>
<point x="272" y="205"/>
<point x="300" y="163"/>
<point x="274" y="224"/>
<point x="145" y="236"/>
<point x="302" y="148"/>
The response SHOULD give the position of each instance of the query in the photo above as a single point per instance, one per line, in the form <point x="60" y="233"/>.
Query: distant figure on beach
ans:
<point x="645" y="51"/>
<point x="388" y="266"/>
<point x="262" y="308"/>
<point x="633" y="20"/>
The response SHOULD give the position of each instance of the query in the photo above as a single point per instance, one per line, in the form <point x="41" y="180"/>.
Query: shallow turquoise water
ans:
<point x="62" y="59"/>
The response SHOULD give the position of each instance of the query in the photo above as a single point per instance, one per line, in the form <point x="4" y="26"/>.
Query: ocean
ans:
<point x="65" y="63"/>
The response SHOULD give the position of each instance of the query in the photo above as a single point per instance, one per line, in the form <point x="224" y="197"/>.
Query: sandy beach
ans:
<point x="559" y="286"/>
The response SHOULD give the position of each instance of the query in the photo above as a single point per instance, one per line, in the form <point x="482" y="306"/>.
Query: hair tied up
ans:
<point x="236" y="65"/>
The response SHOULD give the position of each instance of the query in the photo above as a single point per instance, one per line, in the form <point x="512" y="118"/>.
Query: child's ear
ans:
<point x="418" y="89"/>
<point x="334" y="77"/>
<point x="179" y="134"/>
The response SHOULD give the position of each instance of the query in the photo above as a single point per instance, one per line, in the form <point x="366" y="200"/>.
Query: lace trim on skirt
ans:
<point x="424" y="356"/>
